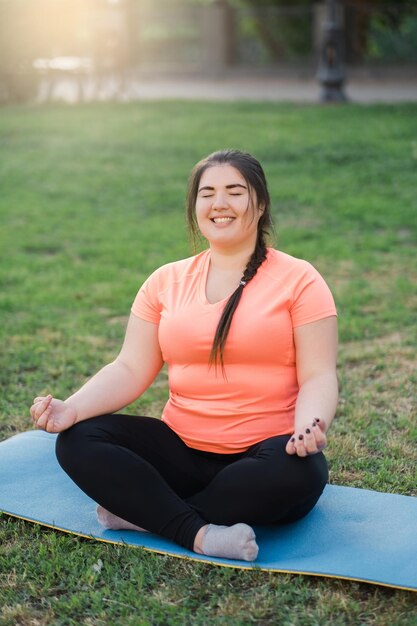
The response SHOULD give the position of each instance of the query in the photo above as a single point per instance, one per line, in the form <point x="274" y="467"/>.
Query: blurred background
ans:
<point x="83" y="50"/>
<point x="91" y="204"/>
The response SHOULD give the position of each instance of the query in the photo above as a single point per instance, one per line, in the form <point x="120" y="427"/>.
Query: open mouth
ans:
<point x="222" y="220"/>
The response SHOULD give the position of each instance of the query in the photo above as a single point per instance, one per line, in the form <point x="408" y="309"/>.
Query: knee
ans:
<point x="311" y="475"/>
<point x="297" y="474"/>
<point x="64" y="446"/>
<point x="307" y="487"/>
<point x="70" y="443"/>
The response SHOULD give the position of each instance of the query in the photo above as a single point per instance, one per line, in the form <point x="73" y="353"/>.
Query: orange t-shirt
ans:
<point x="257" y="398"/>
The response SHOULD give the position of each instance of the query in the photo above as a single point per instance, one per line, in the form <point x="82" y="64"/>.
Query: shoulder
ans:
<point x="309" y="296"/>
<point x="282" y="267"/>
<point x="177" y="271"/>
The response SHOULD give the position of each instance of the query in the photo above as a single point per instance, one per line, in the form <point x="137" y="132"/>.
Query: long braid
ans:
<point x="223" y="327"/>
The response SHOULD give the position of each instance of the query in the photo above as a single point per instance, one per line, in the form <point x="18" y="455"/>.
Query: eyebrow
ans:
<point x="233" y="186"/>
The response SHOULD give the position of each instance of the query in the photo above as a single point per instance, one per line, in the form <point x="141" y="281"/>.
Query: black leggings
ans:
<point x="140" y="470"/>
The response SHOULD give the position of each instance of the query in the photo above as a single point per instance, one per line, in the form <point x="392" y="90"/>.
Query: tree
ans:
<point x="371" y="26"/>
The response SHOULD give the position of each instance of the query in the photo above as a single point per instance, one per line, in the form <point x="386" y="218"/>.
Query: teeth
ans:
<point x="220" y="220"/>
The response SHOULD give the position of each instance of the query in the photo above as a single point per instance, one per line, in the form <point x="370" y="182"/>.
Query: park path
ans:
<point x="247" y="88"/>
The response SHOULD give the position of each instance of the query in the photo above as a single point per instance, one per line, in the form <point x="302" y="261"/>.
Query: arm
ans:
<point x="117" y="384"/>
<point x="316" y="351"/>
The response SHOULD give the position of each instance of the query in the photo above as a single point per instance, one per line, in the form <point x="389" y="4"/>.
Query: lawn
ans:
<point x="91" y="202"/>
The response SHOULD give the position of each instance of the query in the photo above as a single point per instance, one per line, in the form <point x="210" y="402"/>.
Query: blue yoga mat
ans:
<point x="354" y="534"/>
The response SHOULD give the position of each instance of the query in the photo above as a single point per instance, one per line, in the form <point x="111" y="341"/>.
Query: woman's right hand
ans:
<point x="51" y="414"/>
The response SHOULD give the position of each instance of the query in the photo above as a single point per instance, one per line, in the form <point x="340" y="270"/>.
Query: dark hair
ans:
<point x="252" y="172"/>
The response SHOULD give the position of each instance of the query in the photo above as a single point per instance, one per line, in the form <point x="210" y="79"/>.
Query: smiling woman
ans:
<point x="222" y="204"/>
<point x="237" y="445"/>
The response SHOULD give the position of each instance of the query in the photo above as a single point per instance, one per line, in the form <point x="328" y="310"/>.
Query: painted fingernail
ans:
<point x="314" y="425"/>
<point x="308" y="431"/>
<point x="317" y="419"/>
<point x="300" y="437"/>
<point x="292" y="439"/>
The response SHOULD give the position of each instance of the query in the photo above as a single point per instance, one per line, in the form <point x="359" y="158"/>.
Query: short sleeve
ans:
<point x="146" y="305"/>
<point x="312" y="298"/>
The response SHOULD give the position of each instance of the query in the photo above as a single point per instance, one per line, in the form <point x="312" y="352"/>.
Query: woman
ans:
<point x="250" y="338"/>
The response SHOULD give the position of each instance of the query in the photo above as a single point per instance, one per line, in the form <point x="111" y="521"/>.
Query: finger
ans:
<point x="299" y="446"/>
<point x="310" y="442"/>
<point x="33" y="410"/>
<point x="42" y="421"/>
<point x="49" y="426"/>
<point x="321" y="424"/>
<point x="319" y="435"/>
<point x="41" y="406"/>
<point x="322" y="443"/>
<point x="290" y="447"/>
<point x="34" y="406"/>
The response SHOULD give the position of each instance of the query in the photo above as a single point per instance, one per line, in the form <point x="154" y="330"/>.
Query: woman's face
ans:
<point x="226" y="209"/>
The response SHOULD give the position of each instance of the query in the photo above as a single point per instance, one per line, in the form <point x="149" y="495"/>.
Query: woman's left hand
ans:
<point x="311" y="440"/>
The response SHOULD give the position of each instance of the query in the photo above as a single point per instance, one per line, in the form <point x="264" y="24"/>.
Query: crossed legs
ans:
<point x="138" y="469"/>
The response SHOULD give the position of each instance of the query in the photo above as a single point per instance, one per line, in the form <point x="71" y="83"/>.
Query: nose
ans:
<point x="219" y="201"/>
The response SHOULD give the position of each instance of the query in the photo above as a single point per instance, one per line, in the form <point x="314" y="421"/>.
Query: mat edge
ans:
<point x="208" y="562"/>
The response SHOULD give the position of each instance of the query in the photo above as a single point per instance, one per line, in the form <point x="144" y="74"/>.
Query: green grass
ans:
<point x="91" y="202"/>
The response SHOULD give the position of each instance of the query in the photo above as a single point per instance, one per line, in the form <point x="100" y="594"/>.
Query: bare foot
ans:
<point x="112" y="522"/>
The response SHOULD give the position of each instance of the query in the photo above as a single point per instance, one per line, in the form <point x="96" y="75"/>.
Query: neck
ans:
<point x="230" y="260"/>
